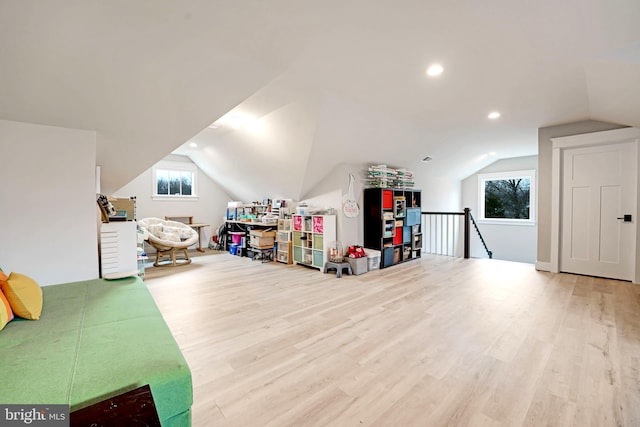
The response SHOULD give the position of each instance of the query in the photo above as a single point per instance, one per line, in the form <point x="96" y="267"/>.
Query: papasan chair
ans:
<point x="168" y="237"/>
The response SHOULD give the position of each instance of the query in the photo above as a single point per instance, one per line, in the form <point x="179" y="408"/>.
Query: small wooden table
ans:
<point x="198" y="227"/>
<point x="188" y="219"/>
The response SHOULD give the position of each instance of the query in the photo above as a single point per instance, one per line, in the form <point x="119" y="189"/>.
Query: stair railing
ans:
<point x="489" y="253"/>
<point x="441" y="233"/>
<point x="449" y="233"/>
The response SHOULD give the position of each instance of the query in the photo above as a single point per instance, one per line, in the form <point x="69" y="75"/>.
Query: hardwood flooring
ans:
<point x="436" y="342"/>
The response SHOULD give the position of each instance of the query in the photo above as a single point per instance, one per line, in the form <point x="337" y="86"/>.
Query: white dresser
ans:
<point x="118" y="249"/>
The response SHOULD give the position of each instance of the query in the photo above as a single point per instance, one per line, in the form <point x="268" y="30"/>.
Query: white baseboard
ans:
<point x="543" y="266"/>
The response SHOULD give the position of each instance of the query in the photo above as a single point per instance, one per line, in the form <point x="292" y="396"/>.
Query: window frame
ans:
<point x="494" y="176"/>
<point x="175" y="167"/>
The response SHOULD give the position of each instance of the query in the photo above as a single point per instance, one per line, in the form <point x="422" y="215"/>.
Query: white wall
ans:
<point x="209" y="208"/>
<point x="507" y="242"/>
<point x="329" y="193"/>
<point x="48" y="223"/>
<point x="439" y="194"/>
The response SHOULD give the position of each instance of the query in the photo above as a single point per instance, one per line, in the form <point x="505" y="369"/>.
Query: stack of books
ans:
<point x="404" y="179"/>
<point x="382" y="176"/>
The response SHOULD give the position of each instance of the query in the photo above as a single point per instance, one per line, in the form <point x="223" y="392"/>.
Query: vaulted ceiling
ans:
<point x="319" y="83"/>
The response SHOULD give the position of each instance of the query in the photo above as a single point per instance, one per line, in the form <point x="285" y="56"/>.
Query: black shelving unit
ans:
<point x="393" y="224"/>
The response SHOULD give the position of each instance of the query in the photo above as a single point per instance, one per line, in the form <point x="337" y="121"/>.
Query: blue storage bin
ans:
<point x="406" y="235"/>
<point x="413" y="216"/>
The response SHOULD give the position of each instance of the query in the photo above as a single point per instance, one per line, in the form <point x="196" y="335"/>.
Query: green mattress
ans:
<point x="94" y="340"/>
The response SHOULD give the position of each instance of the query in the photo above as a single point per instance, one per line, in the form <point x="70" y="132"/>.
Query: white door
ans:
<point x="598" y="190"/>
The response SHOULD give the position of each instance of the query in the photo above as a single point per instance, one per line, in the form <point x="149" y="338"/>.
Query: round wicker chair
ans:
<point x="168" y="237"/>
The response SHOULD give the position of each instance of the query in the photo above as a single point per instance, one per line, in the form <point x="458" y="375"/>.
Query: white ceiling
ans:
<point x="331" y="82"/>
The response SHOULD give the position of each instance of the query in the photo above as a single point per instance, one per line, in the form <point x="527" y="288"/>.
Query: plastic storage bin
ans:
<point x="358" y="265"/>
<point x="233" y="249"/>
<point x="373" y="259"/>
<point x="236" y="237"/>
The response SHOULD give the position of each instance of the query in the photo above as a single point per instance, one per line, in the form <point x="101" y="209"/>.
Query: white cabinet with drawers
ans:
<point x="118" y="249"/>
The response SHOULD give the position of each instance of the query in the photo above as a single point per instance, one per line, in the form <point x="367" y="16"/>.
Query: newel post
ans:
<point x="467" y="226"/>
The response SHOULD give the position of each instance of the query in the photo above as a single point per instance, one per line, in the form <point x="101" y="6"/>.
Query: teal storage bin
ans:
<point x="406" y="235"/>
<point x="413" y="216"/>
<point x="318" y="258"/>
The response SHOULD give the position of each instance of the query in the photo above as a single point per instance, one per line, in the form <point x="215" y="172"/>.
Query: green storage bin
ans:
<point x="317" y="241"/>
<point x="318" y="259"/>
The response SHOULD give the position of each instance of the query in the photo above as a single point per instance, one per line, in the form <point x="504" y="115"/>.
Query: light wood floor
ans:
<point x="435" y="342"/>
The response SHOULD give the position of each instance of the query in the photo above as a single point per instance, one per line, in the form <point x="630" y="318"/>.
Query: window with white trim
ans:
<point x="507" y="197"/>
<point x="174" y="180"/>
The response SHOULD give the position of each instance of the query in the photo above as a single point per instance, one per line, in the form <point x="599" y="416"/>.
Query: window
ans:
<point x="174" y="180"/>
<point x="507" y="197"/>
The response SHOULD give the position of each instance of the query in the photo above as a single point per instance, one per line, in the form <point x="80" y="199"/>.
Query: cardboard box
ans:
<point x="262" y="239"/>
<point x="262" y="242"/>
<point x="127" y="205"/>
<point x="262" y="233"/>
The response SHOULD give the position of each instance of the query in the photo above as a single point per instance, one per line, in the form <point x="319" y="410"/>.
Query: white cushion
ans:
<point x="169" y="233"/>
<point x="170" y="236"/>
<point x="155" y="229"/>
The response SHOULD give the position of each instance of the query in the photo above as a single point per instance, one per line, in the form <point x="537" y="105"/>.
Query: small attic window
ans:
<point x="174" y="181"/>
<point x="507" y="197"/>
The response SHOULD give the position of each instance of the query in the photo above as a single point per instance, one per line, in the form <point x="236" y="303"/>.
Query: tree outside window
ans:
<point x="174" y="182"/>
<point x="507" y="196"/>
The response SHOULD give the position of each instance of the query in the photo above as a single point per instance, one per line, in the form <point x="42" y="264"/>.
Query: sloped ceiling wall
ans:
<point x="330" y="81"/>
<point x="147" y="75"/>
<point x="613" y="81"/>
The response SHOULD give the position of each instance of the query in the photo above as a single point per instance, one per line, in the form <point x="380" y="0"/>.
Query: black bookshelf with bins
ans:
<point x="393" y="224"/>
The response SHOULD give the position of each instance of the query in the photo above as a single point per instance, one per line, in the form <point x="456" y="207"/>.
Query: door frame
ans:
<point x="560" y="144"/>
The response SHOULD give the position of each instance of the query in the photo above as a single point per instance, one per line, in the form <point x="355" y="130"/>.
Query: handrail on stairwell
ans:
<point x="489" y="253"/>
<point x="468" y="220"/>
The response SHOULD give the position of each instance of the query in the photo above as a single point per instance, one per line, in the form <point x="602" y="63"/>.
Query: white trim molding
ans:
<point x="579" y="141"/>
<point x="543" y="266"/>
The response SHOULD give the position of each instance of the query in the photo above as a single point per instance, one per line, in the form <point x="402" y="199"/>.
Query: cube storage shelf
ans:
<point x="284" y="241"/>
<point x="393" y="224"/>
<point x="313" y="235"/>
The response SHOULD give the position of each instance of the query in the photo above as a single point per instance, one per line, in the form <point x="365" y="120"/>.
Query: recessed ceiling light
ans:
<point x="193" y="145"/>
<point x="493" y="115"/>
<point x="434" y="70"/>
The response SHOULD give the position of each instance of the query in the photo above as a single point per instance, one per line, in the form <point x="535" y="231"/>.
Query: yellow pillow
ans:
<point x="24" y="296"/>
<point x="6" y="315"/>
